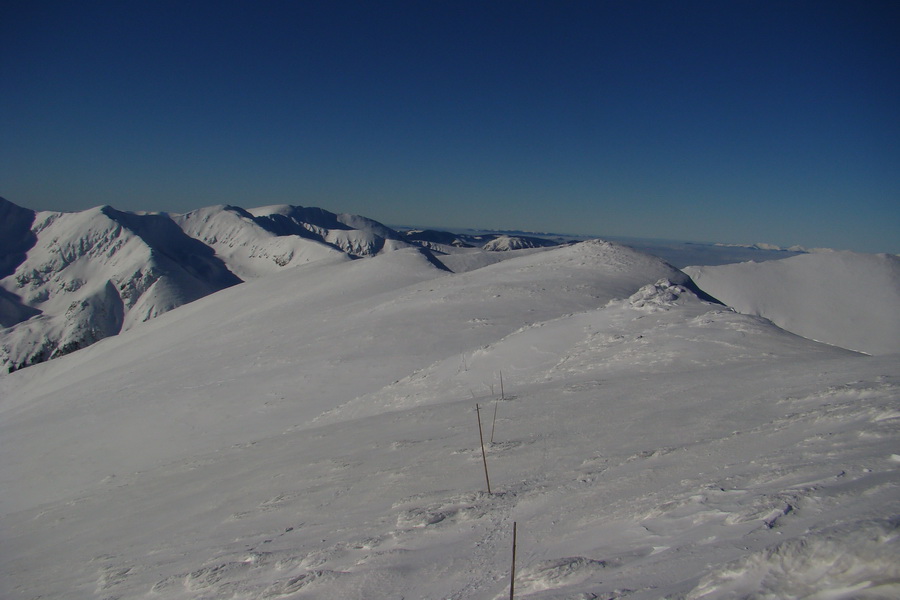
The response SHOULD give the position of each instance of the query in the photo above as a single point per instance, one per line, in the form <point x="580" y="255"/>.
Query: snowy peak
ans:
<point x="505" y="243"/>
<point x="92" y="274"/>
<point x="172" y="248"/>
<point x="249" y="245"/>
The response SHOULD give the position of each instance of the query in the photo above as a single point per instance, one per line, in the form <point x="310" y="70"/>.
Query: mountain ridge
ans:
<point x="68" y="280"/>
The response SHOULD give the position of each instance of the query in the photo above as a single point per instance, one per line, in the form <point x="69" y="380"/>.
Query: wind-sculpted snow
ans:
<point x="852" y="560"/>
<point x="847" y="299"/>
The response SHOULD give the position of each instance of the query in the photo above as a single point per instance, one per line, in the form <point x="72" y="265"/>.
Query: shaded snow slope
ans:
<point x="16" y="239"/>
<point x="435" y="240"/>
<point x="847" y="299"/>
<point x="247" y="246"/>
<point x="312" y="434"/>
<point x="353" y="234"/>
<point x="16" y="236"/>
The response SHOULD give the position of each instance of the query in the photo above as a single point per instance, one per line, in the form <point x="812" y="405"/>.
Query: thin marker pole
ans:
<point x="512" y="571"/>
<point x="502" y="397"/>
<point x="483" y="454"/>
<point x="494" y="421"/>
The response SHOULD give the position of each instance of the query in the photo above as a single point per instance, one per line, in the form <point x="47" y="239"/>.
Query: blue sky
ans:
<point x="727" y="121"/>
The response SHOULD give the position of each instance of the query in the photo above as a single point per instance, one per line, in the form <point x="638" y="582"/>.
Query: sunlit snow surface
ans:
<point x="312" y="434"/>
<point x="847" y="299"/>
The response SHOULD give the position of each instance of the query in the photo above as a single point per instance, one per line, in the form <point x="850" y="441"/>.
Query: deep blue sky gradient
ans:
<point x="731" y="121"/>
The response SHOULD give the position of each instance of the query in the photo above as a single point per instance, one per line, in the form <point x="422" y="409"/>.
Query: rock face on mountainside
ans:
<point x="68" y="280"/>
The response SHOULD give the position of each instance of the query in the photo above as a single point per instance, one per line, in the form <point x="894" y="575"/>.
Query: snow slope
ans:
<point x="312" y="434"/>
<point x="847" y="299"/>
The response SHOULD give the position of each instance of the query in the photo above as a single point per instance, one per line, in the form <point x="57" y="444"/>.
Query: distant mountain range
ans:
<point x="68" y="280"/>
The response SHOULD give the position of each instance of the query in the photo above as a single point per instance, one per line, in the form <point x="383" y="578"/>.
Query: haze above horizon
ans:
<point x="736" y="122"/>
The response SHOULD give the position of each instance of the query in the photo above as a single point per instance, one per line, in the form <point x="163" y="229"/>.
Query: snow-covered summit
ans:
<point x="504" y="243"/>
<point x="249" y="246"/>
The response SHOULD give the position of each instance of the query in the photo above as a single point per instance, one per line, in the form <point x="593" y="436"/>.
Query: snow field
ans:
<point x="401" y="509"/>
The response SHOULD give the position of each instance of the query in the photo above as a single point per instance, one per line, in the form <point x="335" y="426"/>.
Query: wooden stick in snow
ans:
<point x="493" y="421"/>
<point x="483" y="454"/>
<point x="512" y="571"/>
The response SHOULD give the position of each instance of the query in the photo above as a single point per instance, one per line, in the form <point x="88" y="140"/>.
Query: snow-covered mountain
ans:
<point x="70" y="279"/>
<point x="92" y="274"/>
<point x="847" y="299"/>
<point x="505" y="243"/>
<point x="313" y="434"/>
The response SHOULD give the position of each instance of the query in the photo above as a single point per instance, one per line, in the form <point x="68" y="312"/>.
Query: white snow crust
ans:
<point x="312" y="434"/>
